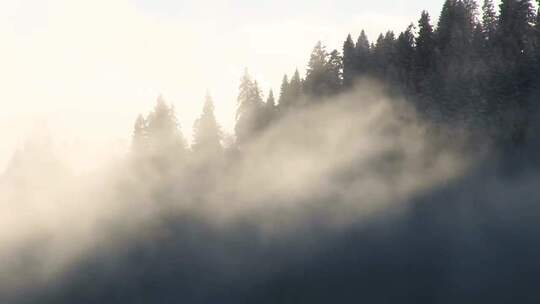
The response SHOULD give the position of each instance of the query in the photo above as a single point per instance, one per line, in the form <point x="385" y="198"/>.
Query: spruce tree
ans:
<point x="362" y="50"/>
<point x="271" y="101"/>
<point x="383" y="57"/>
<point x="206" y="131"/>
<point x="335" y="72"/>
<point x="296" y="89"/>
<point x="489" y="19"/>
<point x="316" y="74"/>
<point x="349" y="61"/>
<point x="139" y="141"/>
<point x="425" y="47"/>
<point x="284" y="100"/>
<point x="249" y="109"/>
<point x="516" y="17"/>
<point x="270" y="110"/>
<point x="515" y="68"/>
<point x="444" y="27"/>
<point x="166" y="142"/>
<point x="405" y="55"/>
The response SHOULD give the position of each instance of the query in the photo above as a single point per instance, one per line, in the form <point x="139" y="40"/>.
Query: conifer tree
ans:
<point x="514" y="29"/>
<point x="206" y="131"/>
<point x="316" y="75"/>
<point x="324" y="73"/>
<point x="405" y="55"/>
<point x="349" y="61"/>
<point x="455" y="29"/>
<point x="139" y="141"/>
<point x="163" y="129"/>
<point x="270" y="101"/>
<point x="270" y="110"/>
<point x="425" y="48"/>
<point x="383" y="57"/>
<point x="296" y="89"/>
<point x="489" y="19"/>
<point x="249" y="109"/>
<point x="284" y="100"/>
<point x="362" y="50"/>
<point x="335" y="72"/>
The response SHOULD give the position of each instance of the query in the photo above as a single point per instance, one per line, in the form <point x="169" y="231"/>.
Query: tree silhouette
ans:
<point x="206" y="131"/>
<point x="249" y="110"/>
<point x="165" y="140"/>
<point x="362" y="52"/>
<point x="139" y="141"/>
<point x="284" y="96"/>
<point x="349" y="61"/>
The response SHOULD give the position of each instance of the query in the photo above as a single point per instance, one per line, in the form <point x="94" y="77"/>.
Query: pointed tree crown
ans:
<point x="270" y="101"/>
<point x="206" y="131"/>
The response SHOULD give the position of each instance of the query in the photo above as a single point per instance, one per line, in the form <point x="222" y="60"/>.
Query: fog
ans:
<point x="62" y="66"/>
<point x="403" y="169"/>
<point x="236" y="221"/>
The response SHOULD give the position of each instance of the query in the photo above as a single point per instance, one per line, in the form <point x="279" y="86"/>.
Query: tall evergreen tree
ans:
<point x="455" y="29"/>
<point x="516" y="17"/>
<point x="269" y="111"/>
<point x="405" y="56"/>
<point x="317" y="72"/>
<point x="284" y="100"/>
<point x="139" y="140"/>
<point x="362" y="50"/>
<point x="383" y="56"/>
<point x="165" y="139"/>
<point x="444" y="27"/>
<point x="489" y="19"/>
<point x="296" y="89"/>
<point x="271" y="101"/>
<point x="335" y="72"/>
<point x="324" y="73"/>
<point x="349" y="61"/>
<point x="206" y="131"/>
<point x="425" y="49"/>
<point x="249" y="109"/>
<point x="479" y="41"/>
<point x="514" y="70"/>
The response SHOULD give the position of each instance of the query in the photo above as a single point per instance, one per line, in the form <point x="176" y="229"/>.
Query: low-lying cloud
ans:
<point x="337" y="187"/>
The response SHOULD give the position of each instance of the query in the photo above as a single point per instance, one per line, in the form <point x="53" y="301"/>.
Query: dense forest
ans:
<point x="400" y="170"/>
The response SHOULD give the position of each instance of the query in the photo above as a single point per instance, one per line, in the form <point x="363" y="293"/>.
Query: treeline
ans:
<point x="477" y="69"/>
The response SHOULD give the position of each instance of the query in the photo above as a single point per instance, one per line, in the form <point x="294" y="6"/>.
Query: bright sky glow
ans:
<point x="87" y="68"/>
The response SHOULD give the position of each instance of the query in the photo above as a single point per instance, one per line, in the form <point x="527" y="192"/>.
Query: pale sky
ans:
<point x="86" y="68"/>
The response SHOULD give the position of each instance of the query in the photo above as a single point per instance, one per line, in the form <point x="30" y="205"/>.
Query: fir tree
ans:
<point x="362" y="50"/>
<point x="335" y="72"/>
<point x="250" y="105"/>
<point x="163" y="128"/>
<point x="384" y="55"/>
<point x="316" y="75"/>
<point x="206" y="131"/>
<point x="284" y="100"/>
<point x="405" y="55"/>
<point x="139" y="141"/>
<point x="270" y="110"/>
<point x="296" y="89"/>
<point x="514" y="29"/>
<point x="425" y="48"/>
<point x="489" y="19"/>
<point x="270" y="101"/>
<point x="349" y="61"/>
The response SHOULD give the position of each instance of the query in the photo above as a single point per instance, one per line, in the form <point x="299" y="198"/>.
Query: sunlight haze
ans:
<point x="68" y="64"/>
